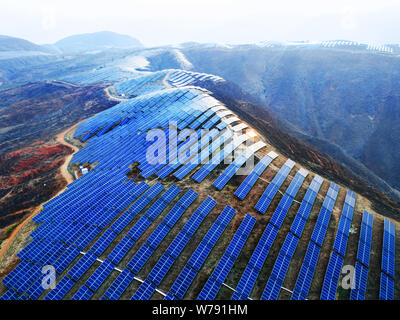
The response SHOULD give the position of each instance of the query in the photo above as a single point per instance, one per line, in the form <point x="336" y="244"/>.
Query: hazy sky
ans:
<point x="157" y="22"/>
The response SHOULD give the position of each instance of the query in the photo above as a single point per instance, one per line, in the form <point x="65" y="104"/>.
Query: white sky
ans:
<point x="158" y="22"/>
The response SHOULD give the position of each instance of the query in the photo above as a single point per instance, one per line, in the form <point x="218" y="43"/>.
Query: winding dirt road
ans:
<point x="35" y="210"/>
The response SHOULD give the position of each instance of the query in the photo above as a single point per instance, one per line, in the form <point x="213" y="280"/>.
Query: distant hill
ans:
<point x="16" y="44"/>
<point x="344" y="102"/>
<point x="96" y="41"/>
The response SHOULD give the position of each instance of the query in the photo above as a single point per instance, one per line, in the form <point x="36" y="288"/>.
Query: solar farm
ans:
<point x="211" y="225"/>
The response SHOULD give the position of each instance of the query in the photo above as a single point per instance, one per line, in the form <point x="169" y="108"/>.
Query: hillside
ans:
<point x="238" y="220"/>
<point x="343" y="101"/>
<point x="16" y="44"/>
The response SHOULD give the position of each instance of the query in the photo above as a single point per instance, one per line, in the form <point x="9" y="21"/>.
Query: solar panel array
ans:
<point x="104" y="231"/>
<point x="335" y="264"/>
<point x="221" y="271"/>
<point x="269" y="193"/>
<point x="251" y="179"/>
<point x="386" y="291"/>
<point x="363" y="256"/>
<point x="306" y="273"/>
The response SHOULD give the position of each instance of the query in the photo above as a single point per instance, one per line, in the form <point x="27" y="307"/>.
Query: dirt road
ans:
<point x="67" y="176"/>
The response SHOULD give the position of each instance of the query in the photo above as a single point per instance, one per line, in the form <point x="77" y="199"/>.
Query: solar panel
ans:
<point x="386" y="290"/>
<point x="223" y="268"/>
<point x="225" y="216"/>
<point x="103" y="242"/>
<point x="303" y="283"/>
<point x="139" y="228"/>
<point x="187" y="198"/>
<point x="62" y="287"/>
<point x="158" y="235"/>
<point x="140" y="258"/>
<point x="177" y="245"/>
<point x="332" y="275"/>
<point x="183" y="282"/>
<point x="210" y="290"/>
<point x="272" y="290"/>
<point x="199" y="255"/>
<point x="121" y="249"/>
<point x="246" y="226"/>
<point x="100" y="275"/>
<point x="66" y="258"/>
<point x="82" y="294"/>
<point x="161" y="268"/>
<point x="119" y="285"/>
<point x="84" y="263"/>
<point x="145" y="291"/>
<point x="246" y="283"/>
<point x="361" y="277"/>
<point x="260" y="253"/>
<point x="173" y="215"/>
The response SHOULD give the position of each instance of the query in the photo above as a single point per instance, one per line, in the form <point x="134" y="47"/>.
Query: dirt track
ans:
<point x="64" y="172"/>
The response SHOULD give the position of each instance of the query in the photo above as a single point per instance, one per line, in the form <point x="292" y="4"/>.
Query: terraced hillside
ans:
<point x="184" y="200"/>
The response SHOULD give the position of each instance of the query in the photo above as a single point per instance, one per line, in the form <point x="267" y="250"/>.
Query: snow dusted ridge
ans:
<point x="381" y="48"/>
<point x="184" y="62"/>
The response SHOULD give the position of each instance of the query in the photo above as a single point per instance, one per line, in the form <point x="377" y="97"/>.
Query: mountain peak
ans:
<point x="101" y="40"/>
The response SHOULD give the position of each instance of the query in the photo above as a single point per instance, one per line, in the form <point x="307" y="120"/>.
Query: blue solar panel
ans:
<point x="84" y="240"/>
<point x="272" y="289"/>
<point x="199" y="255"/>
<point x="82" y="265"/>
<point x="193" y="223"/>
<point x="170" y="194"/>
<point x="121" y="249"/>
<point x="210" y="290"/>
<point x="340" y="243"/>
<point x="10" y="294"/>
<point x="246" y="283"/>
<point x="223" y="268"/>
<point x="260" y="253"/>
<point x="318" y="234"/>
<point x="361" y="277"/>
<point x="145" y="291"/>
<point x="62" y="287"/>
<point x="280" y="267"/>
<point x="249" y="181"/>
<point x="290" y="244"/>
<point x="225" y="216"/>
<point x="311" y="257"/>
<point x="173" y="215"/>
<point x="298" y="225"/>
<point x="139" y="228"/>
<point x="161" y="268"/>
<point x="235" y="245"/>
<point x="246" y="226"/>
<point x="119" y="285"/>
<point x="332" y="277"/>
<point x="100" y="275"/>
<point x="303" y="283"/>
<point x="158" y="235"/>
<point x="103" y="242"/>
<point x="183" y="282"/>
<point x="177" y="245"/>
<point x="66" y="258"/>
<point x="386" y="290"/>
<point x="35" y="290"/>
<point x="187" y="198"/>
<point x="82" y="294"/>
<point x="206" y="206"/>
<point x="122" y="222"/>
<point x="170" y="296"/>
